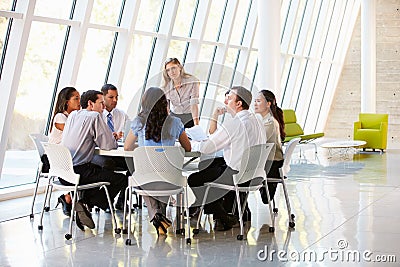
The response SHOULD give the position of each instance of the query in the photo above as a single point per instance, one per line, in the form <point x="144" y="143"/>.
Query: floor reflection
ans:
<point x="333" y="199"/>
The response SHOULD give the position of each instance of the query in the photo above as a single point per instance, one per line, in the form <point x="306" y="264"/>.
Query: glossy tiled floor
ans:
<point x="345" y="208"/>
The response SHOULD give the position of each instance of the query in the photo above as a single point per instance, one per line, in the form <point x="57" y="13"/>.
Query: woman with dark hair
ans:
<point x="182" y="92"/>
<point x="68" y="100"/>
<point x="272" y="118"/>
<point x="155" y="127"/>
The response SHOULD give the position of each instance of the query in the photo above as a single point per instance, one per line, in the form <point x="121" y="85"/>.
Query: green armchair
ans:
<point x="372" y="128"/>
<point x="294" y="130"/>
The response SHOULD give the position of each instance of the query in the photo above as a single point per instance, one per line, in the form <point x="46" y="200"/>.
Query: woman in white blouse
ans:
<point x="182" y="92"/>
<point x="68" y="100"/>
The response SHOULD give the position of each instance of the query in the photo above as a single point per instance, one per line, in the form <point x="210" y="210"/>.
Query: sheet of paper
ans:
<point x="196" y="133"/>
<point x="195" y="145"/>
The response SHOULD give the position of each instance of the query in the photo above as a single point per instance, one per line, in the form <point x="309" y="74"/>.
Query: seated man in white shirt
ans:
<point x="115" y="118"/>
<point x="243" y="131"/>
<point x="84" y="130"/>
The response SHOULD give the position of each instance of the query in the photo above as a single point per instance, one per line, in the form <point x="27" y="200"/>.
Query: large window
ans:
<point x="125" y="42"/>
<point x="94" y="62"/>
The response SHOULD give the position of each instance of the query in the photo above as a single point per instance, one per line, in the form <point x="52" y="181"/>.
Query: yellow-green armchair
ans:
<point x="294" y="130"/>
<point x="373" y="129"/>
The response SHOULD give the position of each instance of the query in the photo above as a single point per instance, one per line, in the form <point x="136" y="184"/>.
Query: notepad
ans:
<point x="196" y="133"/>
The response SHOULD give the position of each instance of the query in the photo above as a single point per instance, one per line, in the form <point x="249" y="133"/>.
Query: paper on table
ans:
<point x="195" y="145"/>
<point x="196" y="133"/>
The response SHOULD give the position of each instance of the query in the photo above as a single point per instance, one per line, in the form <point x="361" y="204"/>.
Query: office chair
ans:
<point x="252" y="168"/>
<point x="158" y="164"/>
<point x="284" y="170"/>
<point x="42" y="170"/>
<point x="61" y="167"/>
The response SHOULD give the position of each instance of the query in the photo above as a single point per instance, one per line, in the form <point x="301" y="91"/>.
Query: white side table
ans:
<point x="343" y="148"/>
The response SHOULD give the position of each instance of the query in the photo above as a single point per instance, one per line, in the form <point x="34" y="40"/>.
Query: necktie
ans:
<point x="110" y="122"/>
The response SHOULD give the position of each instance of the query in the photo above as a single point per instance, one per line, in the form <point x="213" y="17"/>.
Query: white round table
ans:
<point x="343" y="148"/>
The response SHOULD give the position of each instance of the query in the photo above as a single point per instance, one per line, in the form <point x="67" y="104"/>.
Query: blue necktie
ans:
<point x="110" y="122"/>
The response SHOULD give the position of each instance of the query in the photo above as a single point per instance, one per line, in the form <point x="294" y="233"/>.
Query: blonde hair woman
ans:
<point x="182" y="92"/>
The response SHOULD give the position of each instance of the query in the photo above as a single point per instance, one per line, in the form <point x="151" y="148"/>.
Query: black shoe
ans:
<point x="119" y="205"/>
<point x="84" y="215"/>
<point x="228" y="221"/>
<point x="79" y="224"/>
<point x="218" y="225"/>
<point x="66" y="207"/>
<point x="161" y="223"/>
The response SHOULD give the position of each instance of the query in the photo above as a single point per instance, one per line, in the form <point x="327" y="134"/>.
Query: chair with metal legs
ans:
<point x="61" y="167"/>
<point x="284" y="170"/>
<point x="42" y="170"/>
<point x="158" y="164"/>
<point x="252" y="169"/>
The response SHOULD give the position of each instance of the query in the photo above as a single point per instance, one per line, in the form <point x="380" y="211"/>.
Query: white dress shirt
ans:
<point x="83" y="131"/>
<point x="234" y="136"/>
<point x="119" y="119"/>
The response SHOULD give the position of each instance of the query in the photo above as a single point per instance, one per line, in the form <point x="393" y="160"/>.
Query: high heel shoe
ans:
<point x="66" y="207"/>
<point x="159" y="227"/>
<point x="165" y="221"/>
<point x="161" y="223"/>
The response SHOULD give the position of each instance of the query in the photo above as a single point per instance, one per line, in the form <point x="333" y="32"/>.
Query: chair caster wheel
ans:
<point x="40" y="227"/>
<point x="117" y="230"/>
<point x="239" y="237"/>
<point x="125" y="231"/>
<point x="195" y="231"/>
<point x="46" y="209"/>
<point x="271" y="229"/>
<point x="31" y="216"/>
<point x="68" y="236"/>
<point x="128" y="242"/>
<point x="292" y="216"/>
<point x="188" y="241"/>
<point x="275" y="210"/>
<point x="291" y="224"/>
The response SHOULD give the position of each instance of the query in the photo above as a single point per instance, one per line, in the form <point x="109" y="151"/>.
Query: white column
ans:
<point x="269" y="23"/>
<point x="11" y="75"/>
<point x="368" y="56"/>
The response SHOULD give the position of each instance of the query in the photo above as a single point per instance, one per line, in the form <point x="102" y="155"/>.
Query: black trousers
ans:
<point x="273" y="172"/>
<point x="115" y="164"/>
<point x="91" y="173"/>
<point x="218" y="202"/>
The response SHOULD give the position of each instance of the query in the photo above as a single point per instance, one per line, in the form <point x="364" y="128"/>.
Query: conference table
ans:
<point x="120" y="152"/>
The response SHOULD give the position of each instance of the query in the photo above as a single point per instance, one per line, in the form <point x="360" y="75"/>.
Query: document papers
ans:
<point x="196" y="133"/>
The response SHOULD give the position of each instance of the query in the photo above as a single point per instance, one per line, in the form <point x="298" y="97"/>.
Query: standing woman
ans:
<point x="155" y="127"/>
<point x="68" y="100"/>
<point x="182" y="92"/>
<point x="272" y="118"/>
